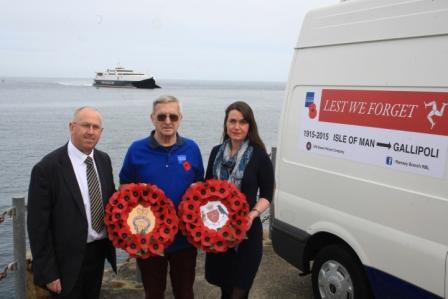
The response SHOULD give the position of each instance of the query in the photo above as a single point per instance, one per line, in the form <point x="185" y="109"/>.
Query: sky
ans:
<point x="236" y="40"/>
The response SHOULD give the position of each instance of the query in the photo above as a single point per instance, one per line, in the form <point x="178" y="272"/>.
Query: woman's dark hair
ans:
<point x="248" y="115"/>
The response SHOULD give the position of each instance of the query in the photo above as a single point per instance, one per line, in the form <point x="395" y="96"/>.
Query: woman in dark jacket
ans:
<point x="242" y="160"/>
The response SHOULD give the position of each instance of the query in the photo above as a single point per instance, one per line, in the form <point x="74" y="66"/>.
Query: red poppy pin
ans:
<point x="186" y="165"/>
<point x="312" y="111"/>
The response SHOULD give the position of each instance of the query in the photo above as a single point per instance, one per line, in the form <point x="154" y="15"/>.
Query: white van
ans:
<point x="362" y="180"/>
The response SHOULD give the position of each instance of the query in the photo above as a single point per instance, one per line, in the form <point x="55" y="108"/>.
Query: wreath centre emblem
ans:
<point x="141" y="220"/>
<point x="214" y="214"/>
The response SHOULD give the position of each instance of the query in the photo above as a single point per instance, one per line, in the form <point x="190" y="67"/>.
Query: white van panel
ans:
<point x="365" y="64"/>
<point x="361" y="21"/>
<point x="395" y="221"/>
<point x="377" y="246"/>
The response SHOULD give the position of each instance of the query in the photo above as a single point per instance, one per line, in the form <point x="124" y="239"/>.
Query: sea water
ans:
<point x="34" y="117"/>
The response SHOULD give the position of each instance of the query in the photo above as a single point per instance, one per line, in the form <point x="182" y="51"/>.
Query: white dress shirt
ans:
<point x="79" y="166"/>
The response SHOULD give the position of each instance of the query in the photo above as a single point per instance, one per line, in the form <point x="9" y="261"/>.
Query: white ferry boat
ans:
<point x="122" y="77"/>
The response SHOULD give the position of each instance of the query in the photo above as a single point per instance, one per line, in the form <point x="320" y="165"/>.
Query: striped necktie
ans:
<point x="96" y="202"/>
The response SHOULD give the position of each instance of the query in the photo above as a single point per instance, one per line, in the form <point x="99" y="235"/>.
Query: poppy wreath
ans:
<point x="141" y="220"/>
<point x="213" y="215"/>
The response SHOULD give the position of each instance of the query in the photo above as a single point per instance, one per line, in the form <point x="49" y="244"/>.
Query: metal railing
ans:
<point x="17" y="213"/>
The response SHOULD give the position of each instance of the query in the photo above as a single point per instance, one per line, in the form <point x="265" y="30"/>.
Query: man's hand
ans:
<point x="55" y="286"/>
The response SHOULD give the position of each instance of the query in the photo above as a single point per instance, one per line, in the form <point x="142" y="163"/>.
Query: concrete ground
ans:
<point x="275" y="279"/>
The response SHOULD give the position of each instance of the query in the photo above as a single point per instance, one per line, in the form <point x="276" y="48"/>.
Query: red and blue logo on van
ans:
<point x="309" y="102"/>
<point x="309" y="99"/>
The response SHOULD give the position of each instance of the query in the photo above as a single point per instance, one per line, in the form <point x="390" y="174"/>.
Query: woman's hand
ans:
<point x="55" y="286"/>
<point x="254" y="213"/>
<point x="261" y="206"/>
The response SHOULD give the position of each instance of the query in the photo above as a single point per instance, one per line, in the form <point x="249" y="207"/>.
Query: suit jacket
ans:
<point x="56" y="222"/>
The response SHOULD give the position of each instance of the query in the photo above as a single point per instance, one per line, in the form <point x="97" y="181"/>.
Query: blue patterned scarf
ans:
<point x="232" y="168"/>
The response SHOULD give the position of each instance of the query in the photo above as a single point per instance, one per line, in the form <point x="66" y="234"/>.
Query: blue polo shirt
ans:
<point x="148" y="162"/>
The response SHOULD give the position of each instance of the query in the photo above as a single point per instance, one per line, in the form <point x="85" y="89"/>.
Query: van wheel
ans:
<point x="337" y="273"/>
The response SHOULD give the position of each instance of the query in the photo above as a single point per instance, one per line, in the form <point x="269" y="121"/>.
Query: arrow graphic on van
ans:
<point x="388" y="145"/>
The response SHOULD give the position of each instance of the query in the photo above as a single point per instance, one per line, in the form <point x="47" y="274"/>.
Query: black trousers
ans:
<point x="182" y="272"/>
<point x="88" y="284"/>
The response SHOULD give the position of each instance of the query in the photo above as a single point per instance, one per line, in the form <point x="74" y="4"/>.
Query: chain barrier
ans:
<point x="11" y="267"/>
<point x="265" y="218"/>
<point x="11" y="212"/>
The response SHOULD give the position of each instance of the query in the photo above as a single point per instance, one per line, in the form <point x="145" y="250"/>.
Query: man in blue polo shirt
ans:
<point x="172" y="163"/>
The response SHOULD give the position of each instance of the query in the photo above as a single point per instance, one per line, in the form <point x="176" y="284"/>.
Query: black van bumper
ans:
<point x="289" y="242"/>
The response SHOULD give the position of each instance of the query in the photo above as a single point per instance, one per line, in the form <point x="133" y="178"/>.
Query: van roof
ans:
<point x="372" y="20"/>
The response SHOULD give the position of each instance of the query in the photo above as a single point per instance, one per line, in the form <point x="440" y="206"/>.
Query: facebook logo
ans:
<point x="389" y="160"/>
<point x="309" y="98"/>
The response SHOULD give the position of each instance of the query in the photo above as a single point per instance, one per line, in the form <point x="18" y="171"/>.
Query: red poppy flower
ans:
<point x="156" y="248"/>
<point x="132" y="248"/>
<point x="189" y="216"/>
<point x="108" y="219"/>
<point x="223" y="190"/>
<point x="114" y="199"/>
<point x="196" y="196"/>
<point x="160" y="239"/>
<point x="155" y="194"/>
<point x="141" y="240"/>
<point x="117" y="216"/>
<point x="312" y="111"/>
<point x="153" y="237"/>
<point x="118" y="243"/>
<point x="240" y="222"/>
<point x="236" y="203"/>
<point x="219" y="246"/>
<point x="212" y="185"/>
<point x="170" y="220"/>
<point x="186" y="165"/>
<point x="124" y="233"/>
<point x="239" y="234"/>
<point x="181" y="206"/>
<point x="206" y="239"/>
<point x="196" y="234"/>
<point x="137" y="192"/>
<point x="120" y="207"/>
<point x="111" y="234"/>
<point x="226" y="234"/>
<point x="165" y="231"/>
<point x="191" y="226"/>
<point x="128" y="198"/>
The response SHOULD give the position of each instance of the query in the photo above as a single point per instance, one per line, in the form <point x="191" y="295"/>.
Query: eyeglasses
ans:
<point x="87" y="126"/>
<point x="172" y="117"/>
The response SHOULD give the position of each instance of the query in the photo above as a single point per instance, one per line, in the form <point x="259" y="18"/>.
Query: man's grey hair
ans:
<point x="75" y="115"/>
<point x="164" y="99"/>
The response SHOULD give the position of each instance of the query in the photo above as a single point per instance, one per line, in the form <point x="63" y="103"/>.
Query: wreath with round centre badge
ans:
<point x="213" y="215"/>
<point x="141" y="220"/>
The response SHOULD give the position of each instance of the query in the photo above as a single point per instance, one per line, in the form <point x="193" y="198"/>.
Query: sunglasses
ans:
<point x="172" y="117"/>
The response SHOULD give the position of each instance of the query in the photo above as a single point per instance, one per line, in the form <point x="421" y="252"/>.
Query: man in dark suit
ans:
<point x="68" y="191"/>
